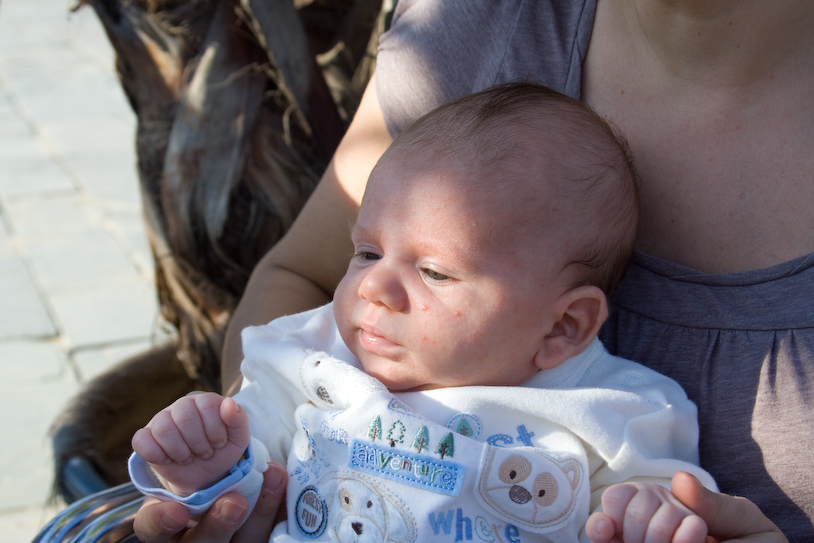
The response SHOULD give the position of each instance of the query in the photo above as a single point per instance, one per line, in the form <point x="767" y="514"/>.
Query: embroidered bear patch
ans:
<point x="361" y="510"/>
<point x="529" y="488"/>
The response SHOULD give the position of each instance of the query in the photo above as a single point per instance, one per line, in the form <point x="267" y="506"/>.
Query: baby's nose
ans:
<point x="383" y="284"/>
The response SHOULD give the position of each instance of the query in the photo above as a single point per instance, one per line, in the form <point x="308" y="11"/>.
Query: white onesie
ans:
<point x="483" y="464"/>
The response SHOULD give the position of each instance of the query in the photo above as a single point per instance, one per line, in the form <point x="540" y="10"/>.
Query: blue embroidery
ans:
<point x="301" y="476"/>
<point x="511" y="533"/>
<point x="337" y="435"/>
<point x="484" y="530"/>
<point x="311" y="513"/>
<point x="499" y="440"/>
<point x="440" y="476"/>
<point x="525" y="436"/>
<point x="463" y="527"/>
<point x="504" y="440"/>
<point x="399" y="407"/>
<point x="442" y="522"/>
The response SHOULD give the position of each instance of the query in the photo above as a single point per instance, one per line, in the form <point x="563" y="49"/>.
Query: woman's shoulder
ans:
<point x="437" y="51"/>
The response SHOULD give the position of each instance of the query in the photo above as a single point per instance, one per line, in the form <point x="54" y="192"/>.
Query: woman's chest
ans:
<point x="726" y="176"/>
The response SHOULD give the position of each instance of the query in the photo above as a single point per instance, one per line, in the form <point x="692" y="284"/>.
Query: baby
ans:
<point x="455" y="388"/>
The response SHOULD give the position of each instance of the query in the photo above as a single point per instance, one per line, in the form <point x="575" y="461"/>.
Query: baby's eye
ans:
<point x="367" y="256"/>
<point x="435" y="276"/>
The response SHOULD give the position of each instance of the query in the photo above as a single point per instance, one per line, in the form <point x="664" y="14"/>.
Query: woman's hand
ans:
<point x="728" y="518"/>
<point x="161" y="522"/>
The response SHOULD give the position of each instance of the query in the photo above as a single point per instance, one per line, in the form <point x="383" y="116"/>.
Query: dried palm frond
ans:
<point x="240" y="105"/>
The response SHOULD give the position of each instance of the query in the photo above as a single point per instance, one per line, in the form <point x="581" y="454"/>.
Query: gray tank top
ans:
<point x="437" y="51"/>
<point x="742" y="345"/>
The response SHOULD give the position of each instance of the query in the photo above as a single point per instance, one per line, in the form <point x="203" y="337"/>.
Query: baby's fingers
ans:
<point x="146" y="447"/>
<point x="615" y="501"/>
<point x="601" y="529"/>
<point x="641" y="509"/>
<point x="209" y="407"/>
<point x="167" y="436"/>
<point x="648" y="513"/>
<point x="188" y="419"/>
<point x="671" y="524"/>
<point x="237" y="421"/>
<point x="692" y="529"/>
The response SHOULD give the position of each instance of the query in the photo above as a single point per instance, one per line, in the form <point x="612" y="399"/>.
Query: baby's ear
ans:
<point x="580" y="313"/>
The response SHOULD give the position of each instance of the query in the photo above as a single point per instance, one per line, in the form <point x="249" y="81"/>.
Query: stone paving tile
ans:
<point x="129" y="227"/>
<point x="22" y="148"/>
<point x="91" y="363"/>
<point x="32" y="218"/>
<point x="23" y="312"/>
<point x="57" y="98"/>
<point x="33" y="23"/>
<point x="79" y="259"/>
<point x="11" y="126"/>
<point x="81" y="137"/>
<point x="106" y="313"/>
<point x="71" y="236"/>
<point x="37" y="383"/>
<point x="28" y="177"/>
<point x="5" y="244"/>
<point x="5" y="241"/>
<point x="42" y="60"/>
<point x="111" y="177"/>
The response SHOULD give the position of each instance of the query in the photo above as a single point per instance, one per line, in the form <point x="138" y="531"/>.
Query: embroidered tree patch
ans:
<point x="421" y="439"/>
<point x="374" y="431"/>
<point x="396" y="433"/>
<point x="447" y="446"/>
<point x="464" y="428"/>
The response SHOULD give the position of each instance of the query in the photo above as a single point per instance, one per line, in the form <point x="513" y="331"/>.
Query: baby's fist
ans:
<point x="195" y="441"/>
<point x="639" y="512"/>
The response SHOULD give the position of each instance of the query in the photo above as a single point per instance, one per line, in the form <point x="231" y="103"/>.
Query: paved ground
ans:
<point x="75" y="273"/>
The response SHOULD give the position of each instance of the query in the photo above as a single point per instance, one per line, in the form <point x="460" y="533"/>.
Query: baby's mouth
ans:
<point x="374" y="340"/>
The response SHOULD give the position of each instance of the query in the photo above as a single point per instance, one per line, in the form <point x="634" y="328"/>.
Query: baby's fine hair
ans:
<point x="499" y="128"/>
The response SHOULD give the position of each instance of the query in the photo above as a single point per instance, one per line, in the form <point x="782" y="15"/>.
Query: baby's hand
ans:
<point x="194" y="442"/>
<point x="639" y="512"/>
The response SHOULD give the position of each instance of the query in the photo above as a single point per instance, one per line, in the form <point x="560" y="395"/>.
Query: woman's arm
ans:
<point x="303" y="269"/>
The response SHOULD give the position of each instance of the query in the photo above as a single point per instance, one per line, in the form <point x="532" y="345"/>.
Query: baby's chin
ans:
<point x="397" y="382"/>
<point x="397" y="375"/>
<point x="419" y="388"/>
<point x="408" y="385"/>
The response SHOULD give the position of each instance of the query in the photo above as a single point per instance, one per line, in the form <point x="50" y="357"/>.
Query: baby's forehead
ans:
<point x="505" y="199"/>
<point x="510" y="215"/>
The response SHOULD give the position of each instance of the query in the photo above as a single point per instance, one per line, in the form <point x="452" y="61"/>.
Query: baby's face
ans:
<point x="437" y="294"/>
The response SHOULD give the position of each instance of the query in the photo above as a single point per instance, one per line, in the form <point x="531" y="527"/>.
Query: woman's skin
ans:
<point x="161" y="522"/>
<point x="714" y="98"/>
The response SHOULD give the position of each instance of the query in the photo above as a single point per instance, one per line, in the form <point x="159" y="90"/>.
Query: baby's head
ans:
<point x="489" y="237"/>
